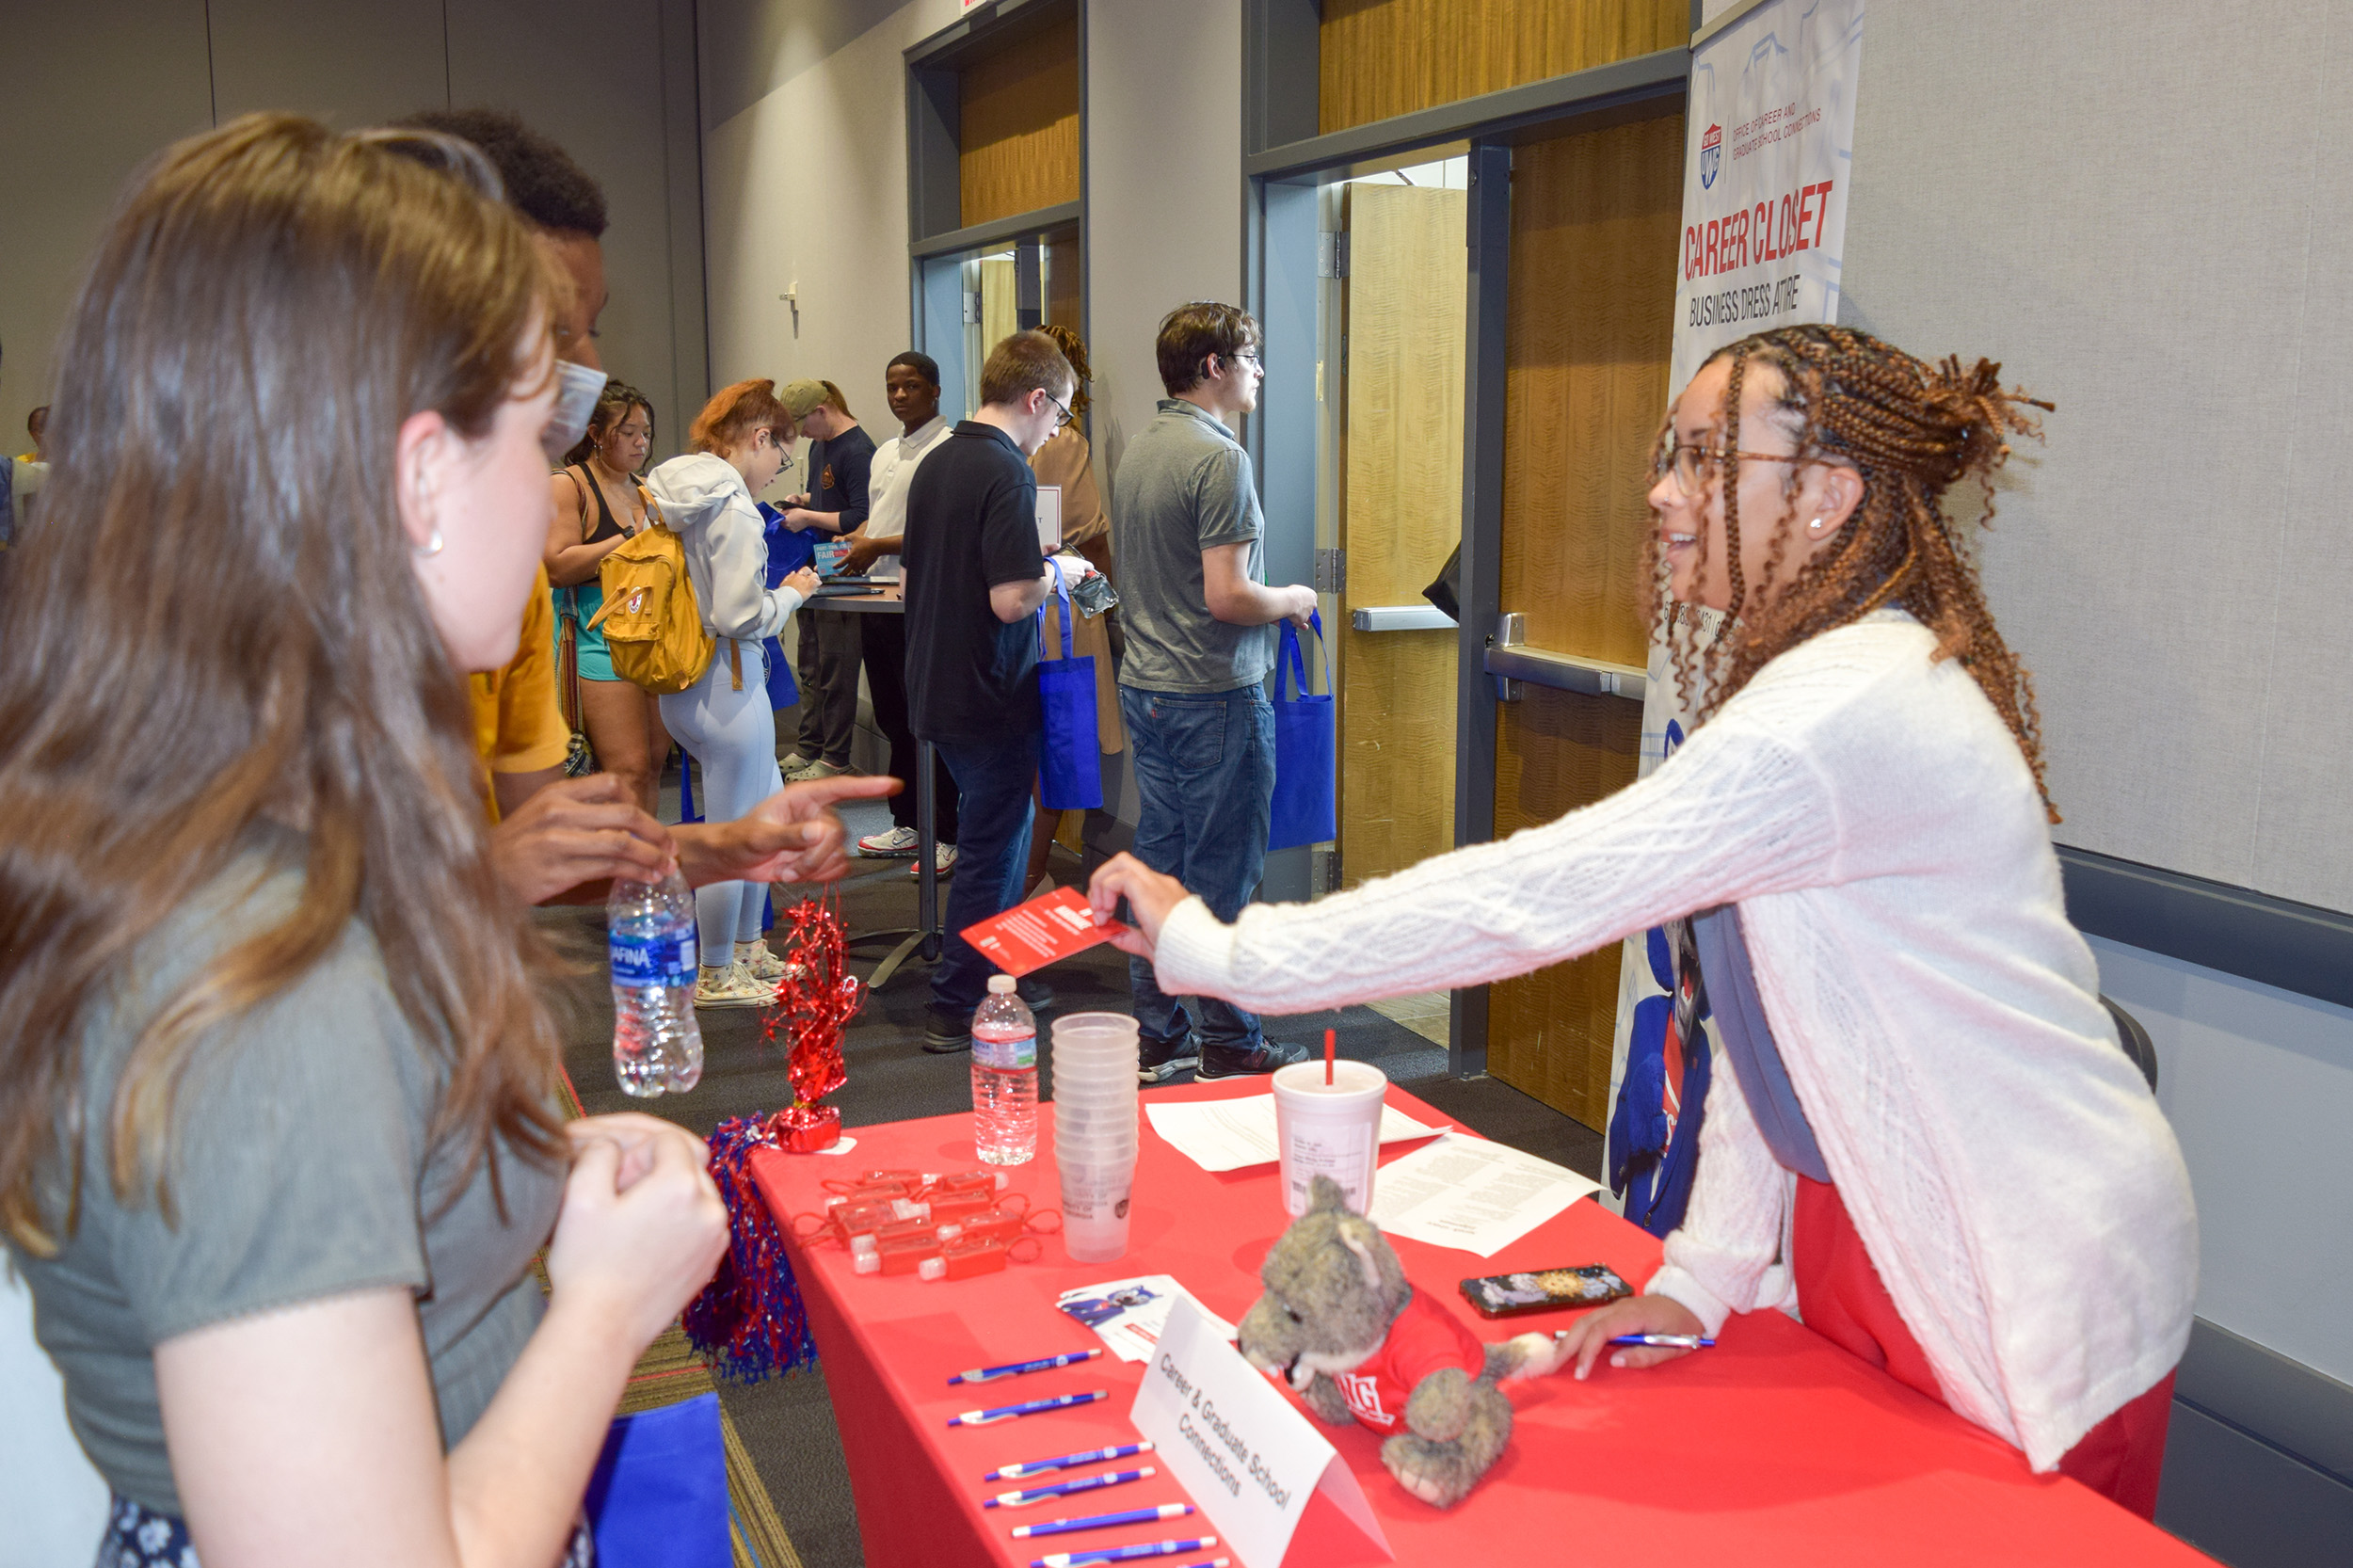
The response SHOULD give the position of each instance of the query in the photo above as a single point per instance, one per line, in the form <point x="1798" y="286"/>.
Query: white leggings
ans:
<point x="732" y="734"/>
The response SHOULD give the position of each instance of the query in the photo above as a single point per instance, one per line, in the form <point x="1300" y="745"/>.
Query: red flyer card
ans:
<point x="1033" y="934"/>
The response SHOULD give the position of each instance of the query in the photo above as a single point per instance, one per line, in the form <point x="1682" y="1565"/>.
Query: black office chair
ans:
<point x="2134" y="1040"/>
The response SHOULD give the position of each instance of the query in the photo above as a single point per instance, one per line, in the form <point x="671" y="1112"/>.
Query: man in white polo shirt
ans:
<point x="911" y="383"/>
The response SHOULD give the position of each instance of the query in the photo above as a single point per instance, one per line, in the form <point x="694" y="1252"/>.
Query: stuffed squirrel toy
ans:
<point x="1340" y="1321"/>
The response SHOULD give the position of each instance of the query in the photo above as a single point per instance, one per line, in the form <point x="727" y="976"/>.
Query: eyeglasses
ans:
<point x="1066" y="415"/>
<point x="1695" y="466"/>
<point x="1256" y="363"/>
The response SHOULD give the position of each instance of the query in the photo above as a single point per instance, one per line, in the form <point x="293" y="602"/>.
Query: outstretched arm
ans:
<point x="1732" y="815"/>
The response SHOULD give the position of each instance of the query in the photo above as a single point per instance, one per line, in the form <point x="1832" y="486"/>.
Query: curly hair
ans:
<point x="541" y="180"/>
<point x="1911" y="430"/>
<point x="1074" y="348"/>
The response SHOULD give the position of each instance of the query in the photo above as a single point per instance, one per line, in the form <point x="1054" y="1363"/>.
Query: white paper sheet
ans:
<point x="1472" y="1194"/>
<point x="1130" y="1315"/>
<point x="1231" y="1135"/>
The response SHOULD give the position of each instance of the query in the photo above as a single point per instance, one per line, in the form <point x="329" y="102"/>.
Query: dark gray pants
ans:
<point x="827" y="665"/>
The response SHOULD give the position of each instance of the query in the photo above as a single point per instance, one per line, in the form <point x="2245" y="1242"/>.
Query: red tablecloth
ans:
<point x="1774" y="1447"/>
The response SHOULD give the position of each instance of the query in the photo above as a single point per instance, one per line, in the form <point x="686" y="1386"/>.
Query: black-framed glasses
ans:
<point x="1695" y="466"/>
<point x="1060" y="409"/>
<point x="1256" y="363"/>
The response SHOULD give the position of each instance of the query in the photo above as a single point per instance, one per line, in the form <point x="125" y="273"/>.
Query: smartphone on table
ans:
<point x="1544" y="1290"/>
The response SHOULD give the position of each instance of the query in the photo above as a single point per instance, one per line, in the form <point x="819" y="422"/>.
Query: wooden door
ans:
<point x="1401" y="516"/>
<point x="1594" y="224"/>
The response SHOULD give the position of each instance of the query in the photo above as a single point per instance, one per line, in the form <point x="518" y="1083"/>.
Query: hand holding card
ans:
<point x="1033" y="934"/>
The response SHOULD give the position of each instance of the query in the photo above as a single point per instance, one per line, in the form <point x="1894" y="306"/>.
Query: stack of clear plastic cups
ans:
<point x="1095" y="1060"/>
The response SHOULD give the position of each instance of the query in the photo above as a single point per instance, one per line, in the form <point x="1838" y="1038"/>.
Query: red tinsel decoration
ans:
<point x="750" y="1321"/>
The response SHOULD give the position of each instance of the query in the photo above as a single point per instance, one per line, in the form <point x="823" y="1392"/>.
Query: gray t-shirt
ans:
<point x="1184" y="487"/>
<point x="300" y="1169"/>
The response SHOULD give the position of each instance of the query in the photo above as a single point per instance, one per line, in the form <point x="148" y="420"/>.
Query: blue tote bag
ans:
<point x="1306" y="779"/>
<point x="1071" y="758"/>
<point x="657" y="1498"/>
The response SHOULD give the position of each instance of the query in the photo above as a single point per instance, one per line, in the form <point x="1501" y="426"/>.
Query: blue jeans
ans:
<point x="993" y="780"/>
<point x="1205" y="777"/>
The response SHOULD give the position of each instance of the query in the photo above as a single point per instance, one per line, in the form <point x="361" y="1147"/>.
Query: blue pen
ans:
<point x="1667" y="1341"/>
<point x="1063" y="1489"/>
<point x="1044" y="1364"/>
<point x="1127" y="1554"/>
<point x="1028" y="1407"/>
<point x="1062" y="1462"/>
<point x="1105" y="1520"/>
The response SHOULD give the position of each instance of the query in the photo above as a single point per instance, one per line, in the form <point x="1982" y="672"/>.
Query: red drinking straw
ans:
<point x="1331" y="1043"/>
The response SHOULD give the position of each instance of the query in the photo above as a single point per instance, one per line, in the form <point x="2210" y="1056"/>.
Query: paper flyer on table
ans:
<point x="1232" y="1135"/>
<point x="1472" y="1194"/>
<point x="1130" y="1315"/>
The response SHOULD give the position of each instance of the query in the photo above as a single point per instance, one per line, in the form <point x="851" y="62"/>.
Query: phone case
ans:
<point x="1544" y="1290"/>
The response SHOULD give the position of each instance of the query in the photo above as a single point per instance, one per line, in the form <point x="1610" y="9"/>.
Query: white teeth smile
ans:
<point x="1681" y="538"/>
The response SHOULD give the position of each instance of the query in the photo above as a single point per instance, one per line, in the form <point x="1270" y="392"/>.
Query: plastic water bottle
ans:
<point x="657" y="1046"/>
<point x="1005" y="1075"/>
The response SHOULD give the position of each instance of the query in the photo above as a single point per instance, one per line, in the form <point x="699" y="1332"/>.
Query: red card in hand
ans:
<point x="1033" y="934"/>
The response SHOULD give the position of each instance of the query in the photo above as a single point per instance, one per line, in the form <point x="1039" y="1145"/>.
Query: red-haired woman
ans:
<point x="278" y="1136"/>
<point x="741" y="440"/>
<point x="1936" y="1148"/>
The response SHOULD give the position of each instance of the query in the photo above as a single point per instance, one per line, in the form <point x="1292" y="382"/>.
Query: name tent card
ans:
<point x="1241" y="1449"/>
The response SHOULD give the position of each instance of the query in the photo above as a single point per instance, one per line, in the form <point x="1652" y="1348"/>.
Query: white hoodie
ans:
<point x="706" y="505"/>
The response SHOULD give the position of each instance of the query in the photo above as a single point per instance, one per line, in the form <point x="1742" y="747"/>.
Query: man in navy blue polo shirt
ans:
<point x="975" y="577"/>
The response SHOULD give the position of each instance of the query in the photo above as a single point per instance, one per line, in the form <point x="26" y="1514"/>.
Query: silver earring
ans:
<point x="1815" y="525"/>
<point x="431" y="547"/>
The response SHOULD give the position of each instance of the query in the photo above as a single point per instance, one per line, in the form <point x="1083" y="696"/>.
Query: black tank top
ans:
<point x="607" y="527"/>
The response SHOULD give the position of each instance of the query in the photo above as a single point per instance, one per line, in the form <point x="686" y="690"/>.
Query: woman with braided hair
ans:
<point x="1936" y="1153"/>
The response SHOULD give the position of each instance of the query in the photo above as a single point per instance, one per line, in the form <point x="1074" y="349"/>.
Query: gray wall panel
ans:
<point x="349" y="64"/>
<point x="2121" y="204"/>
<point x="591" y="74"/>
<point x="69" y="145"/>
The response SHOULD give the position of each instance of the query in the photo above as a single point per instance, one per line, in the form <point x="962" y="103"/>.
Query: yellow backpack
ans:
<point x="651" y="621"/>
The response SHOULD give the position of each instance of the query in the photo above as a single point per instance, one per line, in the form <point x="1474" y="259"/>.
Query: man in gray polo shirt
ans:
<point x="1200" y="623"/>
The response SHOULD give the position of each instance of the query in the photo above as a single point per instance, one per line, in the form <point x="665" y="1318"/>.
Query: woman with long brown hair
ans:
<point x="1931" y="1144"/>
<point x="597" y="506"/>
<point x="278" y="1130"/>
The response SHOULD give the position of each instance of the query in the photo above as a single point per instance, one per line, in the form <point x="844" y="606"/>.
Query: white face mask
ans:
<point x="576" y="390"/>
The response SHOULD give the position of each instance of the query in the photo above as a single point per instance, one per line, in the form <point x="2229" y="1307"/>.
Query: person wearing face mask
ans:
<point x="1932" y="1146"/>
<point x="741" y="440"/>
<point x="597" y="506"/>
<point x="279" y="1134"/>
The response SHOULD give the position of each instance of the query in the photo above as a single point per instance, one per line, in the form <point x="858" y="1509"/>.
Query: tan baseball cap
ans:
<point x="800" y="397"/>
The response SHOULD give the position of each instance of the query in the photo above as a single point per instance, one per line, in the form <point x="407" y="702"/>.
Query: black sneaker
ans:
<point x="1034" y="993"/>
<point x="1229" y="1062"/>
<point x="947" y="1030"/>
<point x="1158" y="1061"/>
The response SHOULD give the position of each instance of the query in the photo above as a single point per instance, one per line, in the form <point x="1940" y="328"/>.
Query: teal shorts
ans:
<point x="580" y="605"/>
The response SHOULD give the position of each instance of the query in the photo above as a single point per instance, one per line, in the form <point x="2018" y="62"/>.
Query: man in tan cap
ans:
<point x="840" y="454"/>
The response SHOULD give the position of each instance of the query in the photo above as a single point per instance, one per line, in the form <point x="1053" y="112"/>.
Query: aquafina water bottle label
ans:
<point x="1020" y="1051"/>
<point x="654" y="961"/>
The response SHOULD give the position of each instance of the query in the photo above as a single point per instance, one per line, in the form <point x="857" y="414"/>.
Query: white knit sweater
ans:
<point x="2009" y="1173"/>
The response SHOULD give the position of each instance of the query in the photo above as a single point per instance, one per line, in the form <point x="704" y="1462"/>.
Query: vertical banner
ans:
<point x="1768" y="154"/>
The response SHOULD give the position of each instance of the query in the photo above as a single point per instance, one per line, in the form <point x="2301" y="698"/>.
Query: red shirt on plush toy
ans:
<point x="1425" y="1339"/>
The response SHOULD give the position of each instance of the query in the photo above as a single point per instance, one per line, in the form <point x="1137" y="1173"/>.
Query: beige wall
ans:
<point x="611" y="80"/>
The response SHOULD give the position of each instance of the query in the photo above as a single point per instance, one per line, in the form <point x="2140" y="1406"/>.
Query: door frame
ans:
<point x="1283" y="165"/>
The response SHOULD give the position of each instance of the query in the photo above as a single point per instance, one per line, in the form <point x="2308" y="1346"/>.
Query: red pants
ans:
<point x="1845" y="1302"/>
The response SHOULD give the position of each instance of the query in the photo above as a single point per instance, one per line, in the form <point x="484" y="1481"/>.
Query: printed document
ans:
<point x="1232" y="1135"/>
<point x="1472" y="1194"/>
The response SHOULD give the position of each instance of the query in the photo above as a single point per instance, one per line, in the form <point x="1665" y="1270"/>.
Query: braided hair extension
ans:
<point x="1911" y="430"/>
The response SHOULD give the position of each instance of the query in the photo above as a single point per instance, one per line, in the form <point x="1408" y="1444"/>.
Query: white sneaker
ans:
<point x="732" y="986"/>
<point x="765" y="966"/>
<point x="943" y="862"/>
<point x="809" y="771"/>
<point x="899" y="840"/>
